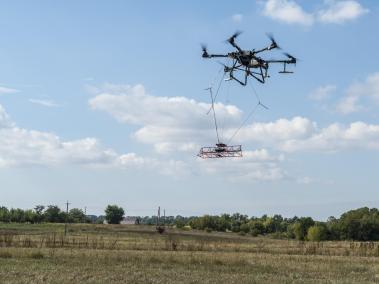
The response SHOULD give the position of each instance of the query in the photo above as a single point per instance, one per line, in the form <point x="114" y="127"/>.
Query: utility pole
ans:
<point x="65" y="224"/>
<point x="159" y="216"/>
<point x="85" y="214"/>
<point x="164" y="216"/>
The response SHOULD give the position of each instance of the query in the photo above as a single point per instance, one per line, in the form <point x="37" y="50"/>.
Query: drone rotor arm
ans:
<point x="217" y="55"/>
<point x="231" y="40"/>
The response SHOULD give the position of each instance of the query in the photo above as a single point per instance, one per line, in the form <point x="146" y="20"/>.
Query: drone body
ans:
<point x="249" y="62"/>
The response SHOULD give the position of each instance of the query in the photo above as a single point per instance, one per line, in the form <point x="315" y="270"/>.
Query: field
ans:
<point x="137" y="254"/>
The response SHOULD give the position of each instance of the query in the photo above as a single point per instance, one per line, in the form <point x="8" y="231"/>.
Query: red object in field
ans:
<point x="220" y="151"/>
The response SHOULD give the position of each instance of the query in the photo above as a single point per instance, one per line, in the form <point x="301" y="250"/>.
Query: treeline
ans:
<point x="40" y="213"/>
<point x="361" y="224"/>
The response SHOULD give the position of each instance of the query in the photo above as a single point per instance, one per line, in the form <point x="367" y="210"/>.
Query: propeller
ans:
<point x="233" y="37"/>
<point x="273" y="42"/>
<point x="205" y="52"/>
<point x="292" y="58"/>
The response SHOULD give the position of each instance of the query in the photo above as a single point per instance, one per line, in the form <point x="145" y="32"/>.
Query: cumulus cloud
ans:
<point x="280" y="130"/>
<point x="335" y="12"/>
<point x="21" y="147"/>
<point x="180" y="124"/>
<point x="339" y="12"/>
<point x="302" y="135"/>
<point x="4" y="90"/>
<point x="255" y="165"/>
<point x="166" y="122"/>
<point x="287" y="11"/>
<point x="337" y="137"/>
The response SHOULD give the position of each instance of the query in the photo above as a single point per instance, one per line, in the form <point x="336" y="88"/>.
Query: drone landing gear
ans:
<point x="220" y="151"/>
<point x="259" y="76"/>
<point x="284" y="70"/>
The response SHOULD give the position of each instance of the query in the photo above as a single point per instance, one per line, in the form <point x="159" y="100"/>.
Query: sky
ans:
<point x="103" y="102"/>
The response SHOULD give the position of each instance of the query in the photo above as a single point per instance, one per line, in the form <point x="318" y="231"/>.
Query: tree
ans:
<point x="317" y="233"/>
<point x="76" y="215"/>
<point x="299" y="229"/>
<point x="4" y="214"/>
<point x="361" y="224"/>
<point x="114" y="214"/>
<point x="54" y="214"/>
<point x="30" y="216"/>
<point x="256" y="228"/>
<point x="39" y="213"/>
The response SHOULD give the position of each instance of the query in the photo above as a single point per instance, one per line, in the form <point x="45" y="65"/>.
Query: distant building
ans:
<point x="130" y="220"/>
<point x="92" y="218"/>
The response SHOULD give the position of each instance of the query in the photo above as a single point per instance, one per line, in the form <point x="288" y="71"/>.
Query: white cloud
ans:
<point x="322" y="93"/>
<point x="339" y="12"/>
<point x="287" y="11"/>
<point x="166" y="122"/>
<point x="45" y="103"/>
<point x="255" y="165"/>
<point x="337" y="137"/>
<point x="335" y="12"/>
<point x="4" y="91"/>
<point x="302" y="135"/>
<point x="237" y="18"/>
<point x="357" y="93"/>
<point x="349" y="104"/>
<point x="22" y="148"/>
<point x="277" y="131"/>
<point x="180" y="124"/>
<point x="4" y="118"/>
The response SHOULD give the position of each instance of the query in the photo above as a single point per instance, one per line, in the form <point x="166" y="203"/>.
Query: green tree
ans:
<point x="256" y="227"/>
<point x="361" y="224"/>
<point x="54" y="214"/>
<point x="317" y="233"/>
<point x="114" y="214"/>
<point x="38" y="209"/>
<point x="299" y="229"/>
<point x="4" y="214"/>
<point x="30" y="216"/>
<point x="76" y="215"/>
<point x="17" y="215"/>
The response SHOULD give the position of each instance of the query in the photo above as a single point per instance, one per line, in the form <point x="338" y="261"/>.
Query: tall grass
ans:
<point x="132" y="254"/>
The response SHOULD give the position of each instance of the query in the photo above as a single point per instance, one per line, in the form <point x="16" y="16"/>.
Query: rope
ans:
<point x="218" y="89"/>
<point x="244" y="122"/>
<point x="226" y="103"/>
<point x="214" y="115"/>
<point x="257" y="96"/>
<point x="250" y="114"/>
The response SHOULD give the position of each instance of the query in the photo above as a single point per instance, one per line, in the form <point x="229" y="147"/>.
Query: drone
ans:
<point x="249" y="62"/>
<point x="251" y="65"/>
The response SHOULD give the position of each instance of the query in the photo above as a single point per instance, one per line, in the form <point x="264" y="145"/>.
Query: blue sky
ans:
<point x="104" y="102"/>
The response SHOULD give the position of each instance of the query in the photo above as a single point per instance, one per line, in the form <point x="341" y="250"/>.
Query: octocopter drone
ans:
<point x="249" y="62"/>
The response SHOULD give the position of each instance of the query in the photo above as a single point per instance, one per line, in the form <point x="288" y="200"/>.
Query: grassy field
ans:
<point x="137" y="254"/>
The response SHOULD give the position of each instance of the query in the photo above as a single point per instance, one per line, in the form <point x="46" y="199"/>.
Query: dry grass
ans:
<point x="136" y="254"/>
